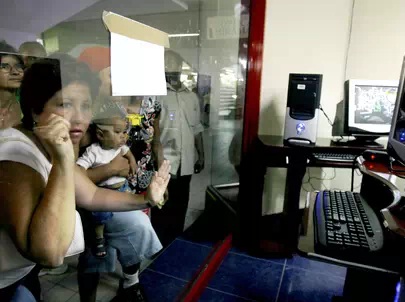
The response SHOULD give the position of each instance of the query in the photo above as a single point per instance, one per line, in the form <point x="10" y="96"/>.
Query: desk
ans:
<point x="269" y="151"/>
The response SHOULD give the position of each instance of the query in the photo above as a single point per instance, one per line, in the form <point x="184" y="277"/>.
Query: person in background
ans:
<point x="31" y="51"/>
<point x="129" y="236"/>
<point x="98" y="60"/>
<point x="181" y="135"/>
<point x="144" y="138"/>
<point x="11" y="75"/>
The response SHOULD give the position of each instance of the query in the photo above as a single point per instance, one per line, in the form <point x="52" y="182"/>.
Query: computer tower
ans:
<point x="301" y="119"/>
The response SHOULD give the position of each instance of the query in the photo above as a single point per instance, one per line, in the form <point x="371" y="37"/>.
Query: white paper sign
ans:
<point x="137" y="67"/>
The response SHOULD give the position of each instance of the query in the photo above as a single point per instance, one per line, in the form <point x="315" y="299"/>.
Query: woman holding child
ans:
<point x="40" y="185"/>
<point x="144" y="143"/>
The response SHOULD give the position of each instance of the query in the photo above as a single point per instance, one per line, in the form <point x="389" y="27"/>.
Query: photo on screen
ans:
<point x="374" y="105"/>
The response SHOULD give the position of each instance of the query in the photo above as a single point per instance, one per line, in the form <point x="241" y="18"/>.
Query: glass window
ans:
<point x="57" y="60"/>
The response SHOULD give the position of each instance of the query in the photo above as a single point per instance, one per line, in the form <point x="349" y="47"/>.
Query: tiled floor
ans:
<point x="239" y="278"/>
<point x="242" y="277"/>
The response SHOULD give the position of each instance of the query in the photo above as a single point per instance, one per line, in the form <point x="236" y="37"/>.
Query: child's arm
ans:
<point x="87" y="160"/>
<point x="131" y="159"/>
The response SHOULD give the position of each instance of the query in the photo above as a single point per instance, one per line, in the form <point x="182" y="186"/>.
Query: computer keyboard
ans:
<point x="344" y="222"/>
<point x="340" y="157"/>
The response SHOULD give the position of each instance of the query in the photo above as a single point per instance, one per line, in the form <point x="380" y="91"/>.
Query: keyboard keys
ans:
<point x="336" y="243"/>
<point x="347" y="225"/>
<point x="350" y="244"/>
<point x="344" y="157"/>
<point x="369" y="231"/>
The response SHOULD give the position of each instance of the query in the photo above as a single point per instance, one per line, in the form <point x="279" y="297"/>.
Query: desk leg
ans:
<point x="365" y="285"/>
<point x="250" y="201"/>
<point x="297" y="164"/>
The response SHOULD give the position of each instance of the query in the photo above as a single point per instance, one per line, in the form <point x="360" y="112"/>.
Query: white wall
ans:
<point x="303" y="37"/>
<point x="377" y="44"/>
<point x="318" y="36"/>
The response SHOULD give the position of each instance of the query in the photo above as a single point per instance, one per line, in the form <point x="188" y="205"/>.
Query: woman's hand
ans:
<point x="158" y="185"/>
<point x="53" y="132"/>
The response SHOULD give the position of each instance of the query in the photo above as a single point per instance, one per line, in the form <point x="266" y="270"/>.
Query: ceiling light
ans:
<point x="181" y="3"/>
<point x="183" y="35"/>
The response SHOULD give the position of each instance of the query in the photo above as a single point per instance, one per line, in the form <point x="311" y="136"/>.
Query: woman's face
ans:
<point x="11" y="73"/>
<point x="74" y="104"/>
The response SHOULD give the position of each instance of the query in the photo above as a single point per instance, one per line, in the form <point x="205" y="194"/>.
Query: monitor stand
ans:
<point x="361" y="141"/>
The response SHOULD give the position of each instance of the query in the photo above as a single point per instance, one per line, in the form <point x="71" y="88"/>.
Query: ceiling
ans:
<point x="131" y="8"/>
<point x="36" y="16"/>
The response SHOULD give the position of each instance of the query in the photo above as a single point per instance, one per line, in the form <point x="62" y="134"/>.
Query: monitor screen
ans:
<point x="374" y="104"/>
<point x="396" y="142"/>
<point x="371" y="106"/>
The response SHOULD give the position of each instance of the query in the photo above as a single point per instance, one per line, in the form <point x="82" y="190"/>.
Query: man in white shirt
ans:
<point x="181" y="138"/>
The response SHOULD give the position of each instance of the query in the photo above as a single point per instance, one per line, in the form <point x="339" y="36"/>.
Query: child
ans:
<point x="111" y="134"/>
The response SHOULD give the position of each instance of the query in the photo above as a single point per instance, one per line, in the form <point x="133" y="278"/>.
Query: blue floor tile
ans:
<point x="181" y="259"/>
<point x="161" y="288"/>
<point x="248" y="277"/>
<point x="317" y="266"/>
<point x="242" y="252"/>
<point x="205" y="243"/>
<point x="210" y="295"/>
<point x="300" y="285"/>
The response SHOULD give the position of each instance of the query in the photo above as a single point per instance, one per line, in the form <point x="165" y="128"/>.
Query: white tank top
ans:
<point x="17" y="147"/>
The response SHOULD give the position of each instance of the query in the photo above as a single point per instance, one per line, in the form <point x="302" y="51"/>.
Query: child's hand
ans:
<point x="132" y="168"/>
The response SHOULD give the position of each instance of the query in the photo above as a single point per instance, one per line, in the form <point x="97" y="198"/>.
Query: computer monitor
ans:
<point x="396" y="140"/>
<point x="369" y="109"/>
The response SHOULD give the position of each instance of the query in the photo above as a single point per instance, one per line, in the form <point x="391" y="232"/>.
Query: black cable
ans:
<point x="304" y="183"/>
<point x="327" y="117"/>
<point x="309" y="180"/>
<point x="391" y="168"/>
<point x="322" y="185"/>
<point x="333" y="177"/>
